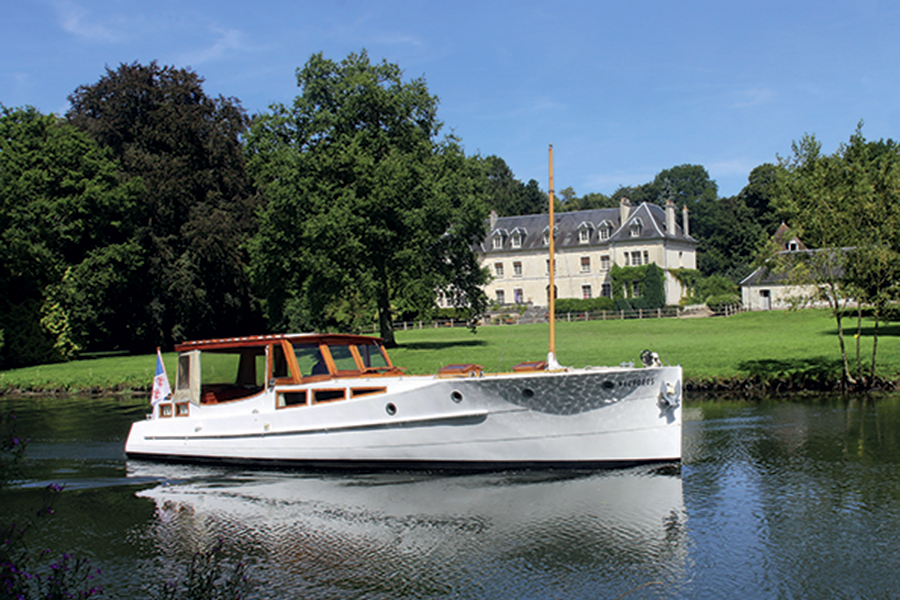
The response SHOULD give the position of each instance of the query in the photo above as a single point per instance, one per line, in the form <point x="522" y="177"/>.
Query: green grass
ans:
<point x="767" y="343"/>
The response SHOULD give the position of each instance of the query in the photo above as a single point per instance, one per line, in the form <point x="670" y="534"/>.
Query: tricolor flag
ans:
<point x="161" y="389"/>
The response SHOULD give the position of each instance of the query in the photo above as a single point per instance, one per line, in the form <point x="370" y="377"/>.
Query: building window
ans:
<point x="646" y="257"/>
<point x="606" y="290"/>
<point x="518" y="296"/>
<point x="604" y="263"/>
<point x="498" y="242"/>
<point x="501" y="297"/>
<point x="627" y="258"/>
<point x="636" y="290"/>
<point x="554" y="267"/>
<point x="584" y="235"/>
<point x="635" y="228"/>
<point x="604" y="231"/>
<point x="517" y="240"/>
<point x="636" y="258"/>
<point x="498" y="270"/>
<point x="585" y="264"/>
<point x="517" y="269"/>
<point x="546" y="238"/>
<point x="586" y="292"/>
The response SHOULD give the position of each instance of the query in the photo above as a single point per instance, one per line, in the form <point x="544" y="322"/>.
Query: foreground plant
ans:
<point x="207" y="579"/>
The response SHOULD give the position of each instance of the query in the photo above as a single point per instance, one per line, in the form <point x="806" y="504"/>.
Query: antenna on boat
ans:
<point x="551" y="290"/>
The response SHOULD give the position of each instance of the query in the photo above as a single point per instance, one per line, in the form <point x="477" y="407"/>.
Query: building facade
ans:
<point x="587" y="244"/>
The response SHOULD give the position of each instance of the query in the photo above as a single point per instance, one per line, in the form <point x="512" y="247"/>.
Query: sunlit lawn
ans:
<point x="766" y="342"/>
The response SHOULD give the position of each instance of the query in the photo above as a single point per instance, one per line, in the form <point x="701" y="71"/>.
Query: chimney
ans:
<point x="494" y="217"/>
<point x="624" y="210"/>
<point x="670" y="217"/>
<point x="684" y="221"/>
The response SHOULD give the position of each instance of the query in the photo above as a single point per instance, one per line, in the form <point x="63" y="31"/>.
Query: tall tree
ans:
<point x="847" y="206"/>
<point x="362" y="203"/>
<point x="61" y="201"/>
<point x="197" y="206"/>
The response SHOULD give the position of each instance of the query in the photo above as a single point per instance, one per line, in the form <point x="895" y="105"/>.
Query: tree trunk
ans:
<point x="874" y="347"/>
<point x="385" y="318"/>
<point x="848" y="378"/>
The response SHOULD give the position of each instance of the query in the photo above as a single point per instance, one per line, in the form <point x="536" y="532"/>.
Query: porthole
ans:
<point x="456" y="396"/>
<point x="390" y="408"/>
<point x="528" y="393"/>
<point x="608" y="385"/>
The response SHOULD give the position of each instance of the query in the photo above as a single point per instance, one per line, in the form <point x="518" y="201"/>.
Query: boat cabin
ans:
<point x="224" y="370"/>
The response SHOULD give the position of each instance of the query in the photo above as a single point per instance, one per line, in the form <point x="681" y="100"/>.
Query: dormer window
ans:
<point x="604" y="230"/>
<point x="634" y="229"/>
<point x="793" y="246"/>
<point x="499" y="236"/>
<point x="517" y="240"/>
<point x="584" y="233"/>
<point x="546" y="238"/>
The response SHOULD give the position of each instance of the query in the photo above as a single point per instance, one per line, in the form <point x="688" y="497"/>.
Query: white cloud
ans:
<point x="227" y="40"/>
<point x="753" y="97"/>
<point x="79" y="22"/>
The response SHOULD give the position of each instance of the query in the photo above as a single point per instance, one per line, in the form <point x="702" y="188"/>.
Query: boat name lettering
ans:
<point x="638" y="382"/>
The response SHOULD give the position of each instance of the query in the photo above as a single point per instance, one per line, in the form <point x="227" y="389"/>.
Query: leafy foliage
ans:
<point x="61" y="199"/>
<point x="196" y="210"/>
<point x="365" y="213"/>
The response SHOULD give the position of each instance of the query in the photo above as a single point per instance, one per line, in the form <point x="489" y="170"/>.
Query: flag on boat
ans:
<point x="161" y="389"/>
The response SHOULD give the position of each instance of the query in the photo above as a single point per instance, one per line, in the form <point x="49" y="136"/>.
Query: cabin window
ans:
<point x="310" y="360"/>
<point x="343" y="358"/>
<point x="184" y="372"/>
<point x="371" y="355"/>
<point x="165" y="410"/>
<point x="182" y="409"/>
<point x="279" y="362"/>
<point x="359" y="392"/>
<point x="327" y="395"/>
<point x="287" y="399"/>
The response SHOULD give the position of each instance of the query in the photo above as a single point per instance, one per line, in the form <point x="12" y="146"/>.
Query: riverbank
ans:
<point x="775" y="351"/>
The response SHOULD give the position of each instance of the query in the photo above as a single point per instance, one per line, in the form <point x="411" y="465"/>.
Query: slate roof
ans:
<point x="650" y="219"/>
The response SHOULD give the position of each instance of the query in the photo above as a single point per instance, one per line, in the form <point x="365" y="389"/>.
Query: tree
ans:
<point x="365" y="212"/>
<point x="61" y="199"/>
<point x="197" y="207"/>
<point x="847" y="206"/>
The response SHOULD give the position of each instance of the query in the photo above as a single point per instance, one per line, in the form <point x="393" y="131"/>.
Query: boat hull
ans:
<point x="586" y="418"/>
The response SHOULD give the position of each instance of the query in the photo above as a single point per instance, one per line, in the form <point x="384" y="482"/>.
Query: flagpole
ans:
<point x="551" y="356"/>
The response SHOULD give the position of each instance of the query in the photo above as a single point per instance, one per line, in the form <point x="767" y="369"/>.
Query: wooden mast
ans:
<point x="551" y="291"/>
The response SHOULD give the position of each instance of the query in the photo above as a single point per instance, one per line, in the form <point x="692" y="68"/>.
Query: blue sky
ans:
<point x="621" y="89"/>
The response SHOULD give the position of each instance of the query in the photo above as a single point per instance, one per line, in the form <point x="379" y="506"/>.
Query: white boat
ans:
<point x="336" y="401"/>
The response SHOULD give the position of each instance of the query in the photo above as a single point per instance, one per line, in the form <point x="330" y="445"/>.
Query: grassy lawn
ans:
<point x="766" y="343"/>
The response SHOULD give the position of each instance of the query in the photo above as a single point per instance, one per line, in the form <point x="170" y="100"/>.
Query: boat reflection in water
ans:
<point x="513" y="534"/>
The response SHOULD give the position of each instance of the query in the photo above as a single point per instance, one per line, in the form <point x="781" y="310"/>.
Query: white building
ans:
<point x="587" y="244"/>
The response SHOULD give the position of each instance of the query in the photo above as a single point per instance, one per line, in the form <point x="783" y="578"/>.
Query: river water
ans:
<point x="773" y="500"/>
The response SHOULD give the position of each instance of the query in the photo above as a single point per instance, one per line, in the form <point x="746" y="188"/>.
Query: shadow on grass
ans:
<point x="867" y="331"/>
<point x="442" y="345"/>
<point x="819" y="367"/>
